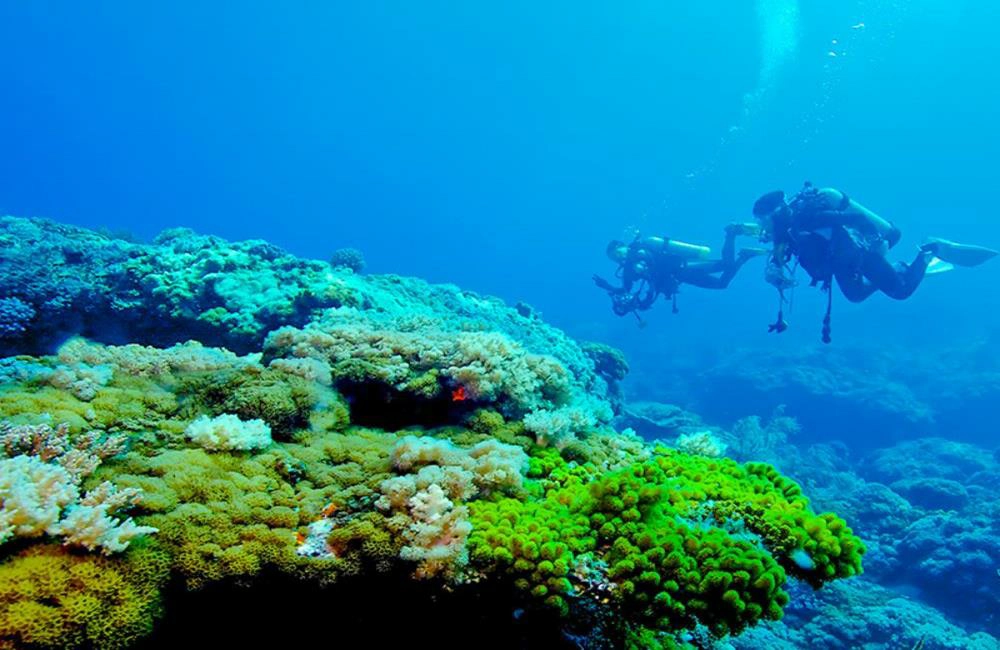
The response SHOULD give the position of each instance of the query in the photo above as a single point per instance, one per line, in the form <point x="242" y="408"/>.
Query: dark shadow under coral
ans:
<point x="378" y="611"/>
<point x="381" y="407"/>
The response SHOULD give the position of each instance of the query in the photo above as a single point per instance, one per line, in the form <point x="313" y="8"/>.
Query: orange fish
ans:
<point x="300" y="538"/>
<point x="329" y="510"/>
<point x="458" y="395"/>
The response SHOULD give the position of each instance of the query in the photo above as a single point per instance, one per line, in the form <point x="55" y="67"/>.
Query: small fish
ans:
<point x="858" y="26"/>
<point x="459" y="394"/>
<point x="329" y="510"/>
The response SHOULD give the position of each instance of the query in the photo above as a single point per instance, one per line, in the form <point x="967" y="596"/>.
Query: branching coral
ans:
<point x="753" y="439"/>
<point x="426" y="501"/>
<point x="146" y="361"/>
<point x="40" y="489"/>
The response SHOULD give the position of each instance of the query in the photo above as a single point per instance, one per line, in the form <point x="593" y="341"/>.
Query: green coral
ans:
<point x="285" y="402"/>
<point x="131" y="404"/>
<point x="679" y="540"/>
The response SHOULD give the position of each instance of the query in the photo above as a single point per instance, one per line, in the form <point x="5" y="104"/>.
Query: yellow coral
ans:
<point x="226" y="516"/>
<point x="53" y="598"/>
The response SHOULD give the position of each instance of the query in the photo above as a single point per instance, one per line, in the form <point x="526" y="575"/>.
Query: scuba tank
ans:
<point x="883" y="227"/>
<point x="686" y="251"/>
<point x="833" y="200"/>
<point x="655" y="246"/>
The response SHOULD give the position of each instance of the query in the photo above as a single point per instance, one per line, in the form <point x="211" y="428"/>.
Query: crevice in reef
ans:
<point x="379" y="406"/>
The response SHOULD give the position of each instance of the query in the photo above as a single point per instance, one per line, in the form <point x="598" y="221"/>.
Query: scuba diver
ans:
<point x="832" y="236"/>
<point x="651" y="267"/>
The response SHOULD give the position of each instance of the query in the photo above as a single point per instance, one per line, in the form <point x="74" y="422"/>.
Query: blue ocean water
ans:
<point x="500" y="147"/>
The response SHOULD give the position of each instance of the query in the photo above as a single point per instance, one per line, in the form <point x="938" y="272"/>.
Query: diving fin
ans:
<point x="938" y="265"/>
<point x="959" y="254"/>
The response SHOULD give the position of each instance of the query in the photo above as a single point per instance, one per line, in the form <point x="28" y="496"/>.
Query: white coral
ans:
<point x="32" y="496"/>
<point x="489" y="465"/>
<point x="82" y="380"/>
<point x="426" y="501"/>
<point x="39" y="498"/>
<point x="228" y="432"/>
<point x="93" y="527"/>
<point x="436" y="536"/>
<point x="559" y="427"/>
<point x="489" y="366"/>
<point x="701" y="443"/>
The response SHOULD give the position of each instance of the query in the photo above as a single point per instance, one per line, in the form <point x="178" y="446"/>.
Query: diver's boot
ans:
<point x="958" y="254"/>
<point x="928" y="259"/>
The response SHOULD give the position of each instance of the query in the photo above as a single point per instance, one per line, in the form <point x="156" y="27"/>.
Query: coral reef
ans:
<point x="928" y="511"/>
<point x="822" y="385"/>
<point x="352" y="428"/>
<point x="654" y="420"/>
<point x="186" y="286"/>
<point x="437" y="370"/>
<point x="862" y="614"/>
<point x="889" y="393"/>
<point x="348" y="258"/>
<point x="228" y="432"/>
<point x="701" y="443"/>
<point x="40" y="474"/>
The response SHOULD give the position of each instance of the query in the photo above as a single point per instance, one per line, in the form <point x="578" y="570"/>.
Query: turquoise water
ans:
<point x="500" y="147"/>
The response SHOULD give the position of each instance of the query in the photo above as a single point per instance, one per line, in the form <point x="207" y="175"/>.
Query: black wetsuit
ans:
<point x="836" y="237"/>
<point x="651" y="269"/>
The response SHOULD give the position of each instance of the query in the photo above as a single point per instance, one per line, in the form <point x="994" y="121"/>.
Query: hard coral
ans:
<point x="50" y="598"/>
<point x="425" y="363"/>
<point x="15" y="317"/>
<point x="684" y="540"/>
<point x="348" y="258"/>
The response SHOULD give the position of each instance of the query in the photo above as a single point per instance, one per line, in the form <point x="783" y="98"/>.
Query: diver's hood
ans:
<point x="768" y="203"/>
<point x="616" y="251"/>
